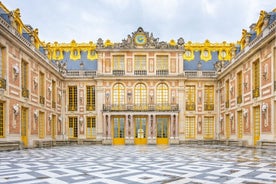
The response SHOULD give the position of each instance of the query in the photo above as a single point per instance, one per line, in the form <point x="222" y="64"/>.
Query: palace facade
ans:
<point x="138" y="91"/>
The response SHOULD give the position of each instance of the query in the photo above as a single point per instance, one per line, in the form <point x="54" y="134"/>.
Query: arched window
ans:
<point x="162" y="94"/>
<point x="118" y="94"/>
<point x="140" y="94"/>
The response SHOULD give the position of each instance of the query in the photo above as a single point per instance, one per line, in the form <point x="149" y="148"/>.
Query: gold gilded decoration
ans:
<point x="140" y="39"/>
<point x="56" y="50"/>
<point x="224" y="50"/>
<point x="260" y="22"/>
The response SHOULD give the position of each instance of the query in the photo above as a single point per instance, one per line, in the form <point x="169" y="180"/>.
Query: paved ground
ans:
<point x="138" y="164"/>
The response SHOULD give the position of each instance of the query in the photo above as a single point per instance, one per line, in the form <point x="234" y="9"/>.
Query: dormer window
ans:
<point x="75" y="52"/>
<point x="92" y="52"/>
<point x="205" y="53"/>
<point x="57" y="53"/>
<point x="188" y="53"/>
<point x="223" y="53"/>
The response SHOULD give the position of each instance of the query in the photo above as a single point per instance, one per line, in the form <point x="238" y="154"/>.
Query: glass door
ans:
<point x="24" y="126"/>
<point x="256" y="112"/>
<point x="162" y="130"/>
<point x="140" y="130"/>
<point x="119" y="130"/>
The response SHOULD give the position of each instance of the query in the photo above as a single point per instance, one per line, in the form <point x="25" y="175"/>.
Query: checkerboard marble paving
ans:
<point x="139" y="165"/>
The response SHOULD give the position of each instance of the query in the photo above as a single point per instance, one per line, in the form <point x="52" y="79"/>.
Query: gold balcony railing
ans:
<point x="274" y="85"/>
<point x="256" y="92"/>
<point x="190" y="106"/>
<point x="72" y="108"/>
<point x="227" y="104"/>
<point x="141" y="107"/>
<point x="41" y="99"/>
<point x="25" y="93"/>
<point x="208" y="107"/>
<point x="239" y="99"/>
<point x="3" y="83"/>
<point x="53" y="104"/>
<point x="90" y="107"/>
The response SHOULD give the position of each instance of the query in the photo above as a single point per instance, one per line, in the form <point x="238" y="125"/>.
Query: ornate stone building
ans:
<point x="139" y="91"/>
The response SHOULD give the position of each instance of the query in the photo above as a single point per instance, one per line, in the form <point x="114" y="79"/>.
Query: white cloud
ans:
<point x="88" y="20"/>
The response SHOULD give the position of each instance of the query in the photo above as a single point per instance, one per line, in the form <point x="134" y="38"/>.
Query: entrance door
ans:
<point x="119" y="130"/>
<point x="73" y="127"/>
<point x="140" y="130"/>
<point x="53" y="126"/>
<point x="24" y="126"/>
<point x="256" y="112"/>
<point x="162" y="130"/>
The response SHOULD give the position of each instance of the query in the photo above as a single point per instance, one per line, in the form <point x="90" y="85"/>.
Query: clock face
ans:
<point x="140" y="39"/>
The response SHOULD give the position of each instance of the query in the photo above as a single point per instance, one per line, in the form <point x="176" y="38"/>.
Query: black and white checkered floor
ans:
<point x="139" y="164"/>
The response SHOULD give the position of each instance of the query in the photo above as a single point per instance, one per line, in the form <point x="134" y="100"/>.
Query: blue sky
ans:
<point x="88" y="20"/>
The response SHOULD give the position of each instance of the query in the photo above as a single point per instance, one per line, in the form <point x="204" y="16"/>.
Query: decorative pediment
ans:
<point x="142" y="39"/>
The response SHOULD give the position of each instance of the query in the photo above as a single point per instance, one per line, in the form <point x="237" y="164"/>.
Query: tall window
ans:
<point x="41" y="131"/>
<point x="2" y="69"/>
<point x="73" y="101"/>
<point x="118" y="94"/>
<point x="256" y="79"/>
<point x="140" y="93"/>
<point x="118" y="65"/>
<point x="190" y="127"/>
<point x="162" y="65"/>
<point x="54" y="94"/>
<point x="90" y="127"/>
<point x="73" y="127"/>
<point x="41" y="88"/>
<point x="162" y="94"/>
<point x="24" y="79"/>
<point x="208" y="127"/>
<point x="190" y="98"/>
<point x="1" y="61"/>
<point x="239" y="86"/>
<point x="208" y="98"/>
<point x="227" y="94"/>
<point x="140" y="65"/>
<point x="90" y="98"/>
<point x="1" y="119"/>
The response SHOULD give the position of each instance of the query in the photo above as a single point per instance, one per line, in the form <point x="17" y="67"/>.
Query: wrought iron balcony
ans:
<point x="118" y="72"/>
<point x="190" y="106"/>
<point x="3" y="83"/>
<point x="239" y="99"/>
<point x="140" y="107"/>
<point x="72" y="108"/>
<point x="140" y="72"/>
<point x="227" y="104"/>
<point x="53" y="104"/>
<point x="41" y="99"/>
<point x="162" y="72"/>
<point x="90" y="107"/>
<point x="208" y="107"/>
<point x="25" y="93"/>
<point x="256" y="92"/>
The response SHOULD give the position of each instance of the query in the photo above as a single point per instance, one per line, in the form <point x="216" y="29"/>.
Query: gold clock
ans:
<point x="140" y="39"/>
